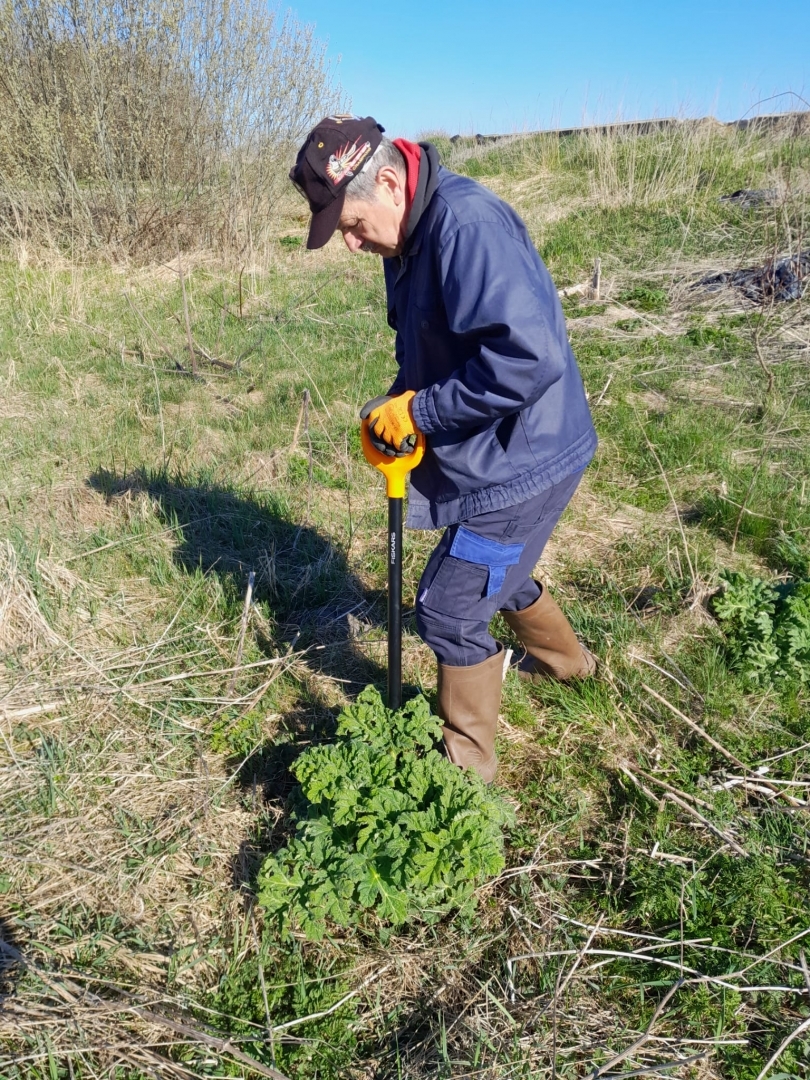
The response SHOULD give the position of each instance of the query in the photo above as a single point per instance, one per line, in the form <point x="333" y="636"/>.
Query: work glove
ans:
<point x="391" y="425"/>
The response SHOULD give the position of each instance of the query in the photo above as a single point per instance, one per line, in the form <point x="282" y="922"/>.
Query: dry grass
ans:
<point x="114" y="804"/>
<point x="140" y="788"/>
<point x="131" y="136"/>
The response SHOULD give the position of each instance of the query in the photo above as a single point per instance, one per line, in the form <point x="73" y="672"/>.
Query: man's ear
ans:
<point x="389" y="178"/>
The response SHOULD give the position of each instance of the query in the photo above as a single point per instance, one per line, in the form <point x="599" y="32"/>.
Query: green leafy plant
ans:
<point x="575" y="310"/>
<point x="767" y="627"/>
<point x="628" y="325"/>
<point x="645" y="298"/>
<point x="719" y="337"/>
<point x="790" y="554"/>
<point x="384" y="825"/>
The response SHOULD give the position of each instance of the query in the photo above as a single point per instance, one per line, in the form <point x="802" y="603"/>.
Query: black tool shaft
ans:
<point x="394" y="603"/>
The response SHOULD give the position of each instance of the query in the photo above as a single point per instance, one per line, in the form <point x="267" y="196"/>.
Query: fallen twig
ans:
<point x="181" y="675"/>
<point x="642" y="1038"/>
<point x="671" y="796"/>
<point x="652" y="1070"/>
<point x="707" y="824"/>
<point x="604" y="391"/>
<point x="675" y="791"/>
<point x="752" y="774"/>
<point x="804" y="1026"/>
<point x="764" y="787"/>
<point x="696" y="728"/>
<point x="633" y="655"/>
<point x="71" y="994"/>
<point x="699" y="977"/>
<point x="579" y="959"/>
<point x="333" y="1008"/>
<point x="224" y="1046"/>
<point x="31" y="710"/>
<point x="243" y="628"/>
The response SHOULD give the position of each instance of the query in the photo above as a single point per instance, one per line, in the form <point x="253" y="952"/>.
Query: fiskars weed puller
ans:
<point x="394" y="466"/>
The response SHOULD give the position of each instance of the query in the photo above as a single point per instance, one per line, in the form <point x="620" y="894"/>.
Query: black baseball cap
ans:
<point x="334" y="153"/>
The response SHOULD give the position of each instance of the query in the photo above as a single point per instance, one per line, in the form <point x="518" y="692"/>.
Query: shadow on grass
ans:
<point x="303" y="582"/>
<point x="307" y="597"/>
<point x="781" y="543"/>
<point x="10" y="951"/>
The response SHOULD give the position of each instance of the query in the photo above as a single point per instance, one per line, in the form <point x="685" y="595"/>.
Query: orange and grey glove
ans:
<point x="391" y="424"/>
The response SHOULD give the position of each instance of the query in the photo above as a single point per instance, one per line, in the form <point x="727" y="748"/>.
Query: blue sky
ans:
<point x="496" y="67"/>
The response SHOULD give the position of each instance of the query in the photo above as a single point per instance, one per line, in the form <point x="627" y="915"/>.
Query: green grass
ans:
<point x="142" y="794"/>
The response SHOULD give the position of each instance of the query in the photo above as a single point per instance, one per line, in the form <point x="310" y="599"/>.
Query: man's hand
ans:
<point x="391" y="424"/>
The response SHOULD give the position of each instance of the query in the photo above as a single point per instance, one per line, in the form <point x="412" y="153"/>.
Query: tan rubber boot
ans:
<point x="551" y="644"/>
<point x="469" y="699"/>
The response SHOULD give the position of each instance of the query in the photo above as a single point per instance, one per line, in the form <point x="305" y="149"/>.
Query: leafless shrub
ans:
<point x="127" y="126"/>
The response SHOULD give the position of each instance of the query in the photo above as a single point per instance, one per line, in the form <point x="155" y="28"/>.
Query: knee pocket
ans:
<point x="455" y="604"/>
<point x="469" y="578"/>
<point x="457" y="587"/>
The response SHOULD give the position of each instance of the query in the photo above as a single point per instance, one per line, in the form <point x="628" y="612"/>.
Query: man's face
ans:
<point x="377" y="226"/>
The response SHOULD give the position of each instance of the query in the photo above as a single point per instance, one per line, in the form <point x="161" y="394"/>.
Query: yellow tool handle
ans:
<point x="394" y="469"/>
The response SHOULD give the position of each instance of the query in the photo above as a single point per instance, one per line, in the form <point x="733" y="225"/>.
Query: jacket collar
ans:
<point x="426" y="185"/>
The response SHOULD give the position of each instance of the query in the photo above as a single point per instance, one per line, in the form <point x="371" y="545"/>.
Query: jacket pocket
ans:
<point x="471" y="462"/>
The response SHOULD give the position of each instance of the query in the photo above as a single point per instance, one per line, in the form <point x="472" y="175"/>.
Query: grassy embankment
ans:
<point x="143" y="777"/>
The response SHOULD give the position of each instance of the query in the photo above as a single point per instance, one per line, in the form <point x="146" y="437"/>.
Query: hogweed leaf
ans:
<point x="767" y="627"/>
<point x="385" y="826"/>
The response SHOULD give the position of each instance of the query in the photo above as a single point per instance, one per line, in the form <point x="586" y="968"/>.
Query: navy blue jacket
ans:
<point x="480" y="334"/>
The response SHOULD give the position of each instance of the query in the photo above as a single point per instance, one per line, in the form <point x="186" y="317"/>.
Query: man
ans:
<point x="487" y="374"/>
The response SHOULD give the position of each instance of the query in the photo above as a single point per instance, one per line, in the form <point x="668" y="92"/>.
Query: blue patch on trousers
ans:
<point x="496" y="557"/>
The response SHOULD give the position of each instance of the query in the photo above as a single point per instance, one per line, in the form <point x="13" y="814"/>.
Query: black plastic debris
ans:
<point x="751" y="197"/>
<point x="778" y="280"/>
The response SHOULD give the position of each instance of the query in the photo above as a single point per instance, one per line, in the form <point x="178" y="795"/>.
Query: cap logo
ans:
<point x="345" y="161"/>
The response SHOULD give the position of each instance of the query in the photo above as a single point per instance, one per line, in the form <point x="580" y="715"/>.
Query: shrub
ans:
<point x="138" y="126"/>
<point x="767" y="627"/>
<point x="384" y="825"/>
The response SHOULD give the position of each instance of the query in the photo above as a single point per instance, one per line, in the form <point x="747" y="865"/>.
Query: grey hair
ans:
<point x="363" y="187"/>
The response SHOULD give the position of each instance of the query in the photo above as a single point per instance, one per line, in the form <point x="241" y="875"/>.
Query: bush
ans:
<point x="128" y="125"/>
<point x="384" y="825"/>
